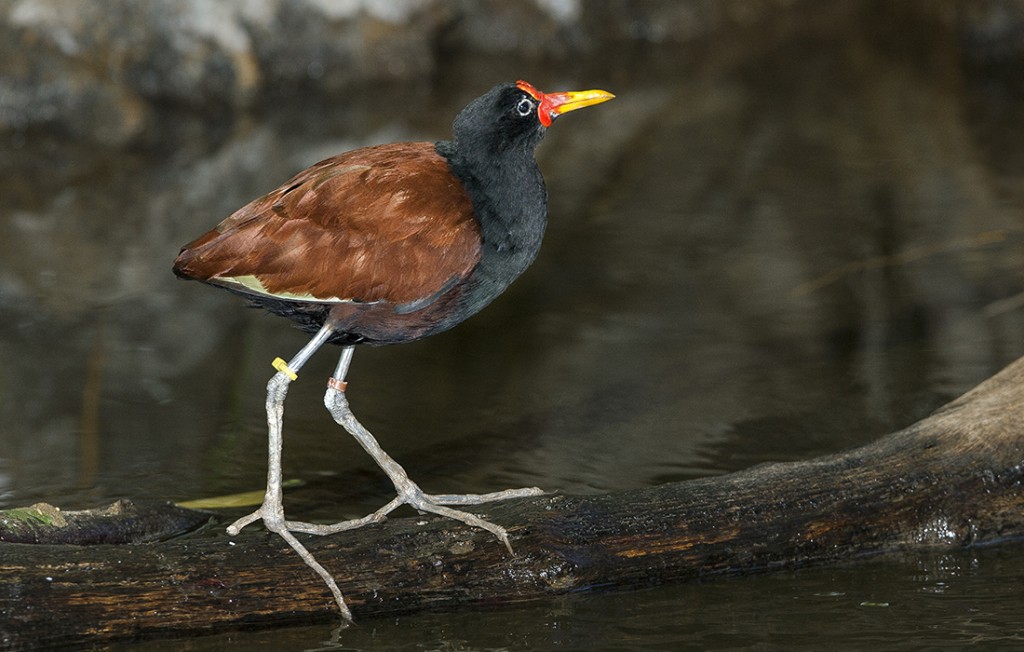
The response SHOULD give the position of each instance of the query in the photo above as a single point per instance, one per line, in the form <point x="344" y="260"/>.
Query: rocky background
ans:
<point x="99" y="70"/>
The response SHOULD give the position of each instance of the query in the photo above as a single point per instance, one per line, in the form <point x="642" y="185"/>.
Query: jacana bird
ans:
<point x="383" y="245"/>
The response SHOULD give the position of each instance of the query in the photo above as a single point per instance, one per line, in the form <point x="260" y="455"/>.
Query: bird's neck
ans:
<point x="509" y="200"/>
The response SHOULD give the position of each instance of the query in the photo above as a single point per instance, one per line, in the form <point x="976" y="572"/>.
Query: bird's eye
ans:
<point x="525" y="107"/>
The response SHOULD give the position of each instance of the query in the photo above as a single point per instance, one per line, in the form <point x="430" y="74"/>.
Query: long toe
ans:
<point x="333" y="528"/>
<point x="472" y="520"/>
<point x="477" y="499"/>
<point x="378" y="516"/>
<point x="248" y="519"/>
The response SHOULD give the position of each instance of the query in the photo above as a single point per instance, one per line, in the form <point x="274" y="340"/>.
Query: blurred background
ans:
<point x="798" y="227"/>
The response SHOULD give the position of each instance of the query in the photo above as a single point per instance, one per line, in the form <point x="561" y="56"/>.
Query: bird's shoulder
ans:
<point x="398" y="182"/>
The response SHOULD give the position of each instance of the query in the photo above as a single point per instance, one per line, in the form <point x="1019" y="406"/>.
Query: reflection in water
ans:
<point x="777" y="249"/>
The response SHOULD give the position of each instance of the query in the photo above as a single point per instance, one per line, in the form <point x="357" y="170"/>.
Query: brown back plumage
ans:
<point x="386" y="223"/>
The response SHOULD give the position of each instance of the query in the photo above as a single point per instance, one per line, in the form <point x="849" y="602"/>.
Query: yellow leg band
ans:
<point x="282" y="366"/>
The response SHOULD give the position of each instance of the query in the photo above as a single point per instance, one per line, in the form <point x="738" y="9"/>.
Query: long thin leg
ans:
<point x="272" y="509"/>
<point x="408" y="491"/>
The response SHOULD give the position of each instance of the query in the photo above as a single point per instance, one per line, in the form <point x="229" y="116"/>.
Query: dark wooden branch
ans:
<point x="953" y="479"/>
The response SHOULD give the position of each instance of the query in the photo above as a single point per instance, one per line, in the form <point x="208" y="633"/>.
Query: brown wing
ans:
<point x="382" y="223"/>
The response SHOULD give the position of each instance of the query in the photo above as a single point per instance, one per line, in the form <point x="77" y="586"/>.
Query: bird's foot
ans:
<point x="410" y="494"/>
<point x="273" y="519"/>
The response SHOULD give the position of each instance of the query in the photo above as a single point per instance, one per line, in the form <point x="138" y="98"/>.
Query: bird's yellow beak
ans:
<point x="559" y="103"/>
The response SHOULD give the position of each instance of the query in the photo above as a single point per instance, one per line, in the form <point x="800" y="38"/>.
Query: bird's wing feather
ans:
<point x="387" y="223"/>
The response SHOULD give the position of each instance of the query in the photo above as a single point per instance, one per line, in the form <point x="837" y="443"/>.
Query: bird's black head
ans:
<point x="514" y="117"/>
<point x="502" y="119"/>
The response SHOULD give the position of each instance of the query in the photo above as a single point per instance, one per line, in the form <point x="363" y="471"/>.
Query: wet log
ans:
<point x="123" y="521"/>
<point x="955" y="478"/>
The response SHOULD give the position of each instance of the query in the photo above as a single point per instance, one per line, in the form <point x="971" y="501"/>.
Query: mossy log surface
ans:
<point x="955" y="478"/>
